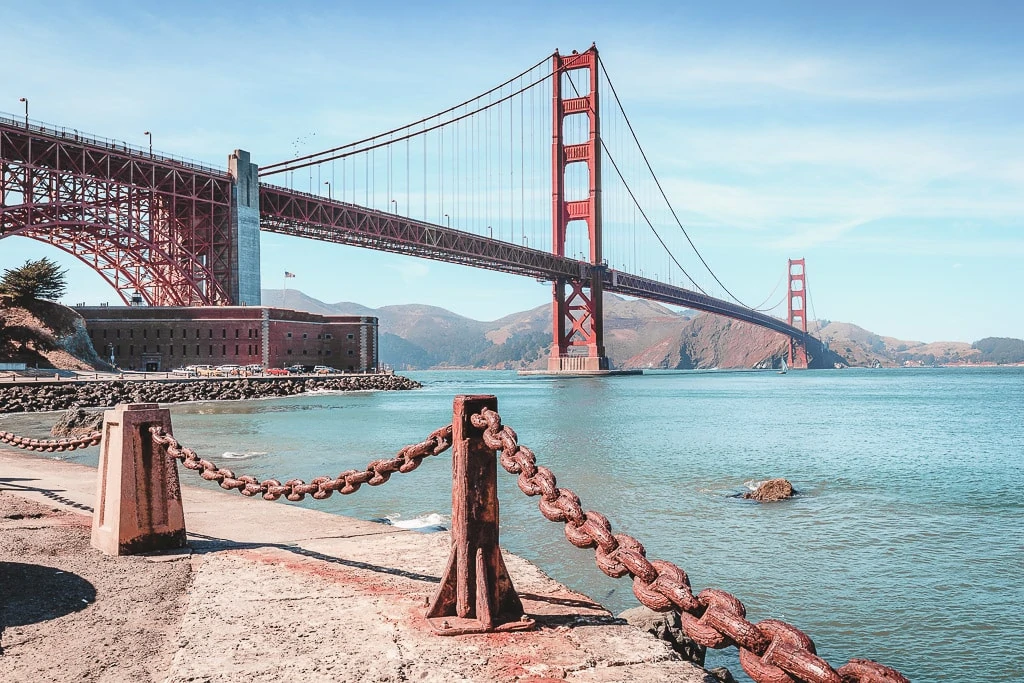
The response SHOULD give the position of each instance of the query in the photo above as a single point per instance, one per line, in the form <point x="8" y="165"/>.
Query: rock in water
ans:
<point x="721" y="674"/>
<point x="666" y="626"/>
<point x="77" y="422"/>
<point x="771" y="490"/>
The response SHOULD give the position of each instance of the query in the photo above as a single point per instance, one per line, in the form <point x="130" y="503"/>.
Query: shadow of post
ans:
<point x="10" y="483"/>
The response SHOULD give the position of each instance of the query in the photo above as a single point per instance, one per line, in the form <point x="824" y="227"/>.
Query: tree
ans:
<point x="42" y="279"/>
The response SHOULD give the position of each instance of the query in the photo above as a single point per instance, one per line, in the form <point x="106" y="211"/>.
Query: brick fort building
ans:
<point x="161" y="338"/>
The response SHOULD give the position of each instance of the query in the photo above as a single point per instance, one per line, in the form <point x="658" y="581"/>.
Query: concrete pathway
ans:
<point x="278" y="592"/>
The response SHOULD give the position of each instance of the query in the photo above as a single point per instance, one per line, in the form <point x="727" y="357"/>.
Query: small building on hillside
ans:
<point x="161" y="338"/>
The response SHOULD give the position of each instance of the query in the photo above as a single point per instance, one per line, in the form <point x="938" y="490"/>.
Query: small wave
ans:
<point x="429" y="522"/>
<point x="232" y="455"/>
<point x="754" y="483"/>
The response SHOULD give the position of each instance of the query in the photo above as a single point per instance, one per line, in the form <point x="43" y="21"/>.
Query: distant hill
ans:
<point x="638" y="334"/>
<point x="435" y="337"/>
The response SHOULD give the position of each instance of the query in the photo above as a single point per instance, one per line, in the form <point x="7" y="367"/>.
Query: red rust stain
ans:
<point x="323" y="570"/>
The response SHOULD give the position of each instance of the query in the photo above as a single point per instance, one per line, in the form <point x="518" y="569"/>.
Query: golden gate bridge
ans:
<point x="541" y="176"/>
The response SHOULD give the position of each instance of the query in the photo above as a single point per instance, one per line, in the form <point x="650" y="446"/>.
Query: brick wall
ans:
<point x="163" y="338"/>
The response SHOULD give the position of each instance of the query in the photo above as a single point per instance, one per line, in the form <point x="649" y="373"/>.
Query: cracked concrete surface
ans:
<point x="267" y="600"/>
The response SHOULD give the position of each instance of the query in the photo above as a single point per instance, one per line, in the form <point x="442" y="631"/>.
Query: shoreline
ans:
<point x="51" y="396"/>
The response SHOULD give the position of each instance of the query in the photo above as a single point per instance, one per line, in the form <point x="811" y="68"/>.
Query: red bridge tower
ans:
<point x="578" y="316"/>
<point x="797" y="312"/>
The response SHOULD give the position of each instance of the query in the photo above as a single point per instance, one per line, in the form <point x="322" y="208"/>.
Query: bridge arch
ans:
<point x="130" y="262"/>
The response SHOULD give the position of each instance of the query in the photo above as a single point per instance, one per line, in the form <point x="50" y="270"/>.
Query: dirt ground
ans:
<point x="55" y="589"/>
<point x="271" y="592"/>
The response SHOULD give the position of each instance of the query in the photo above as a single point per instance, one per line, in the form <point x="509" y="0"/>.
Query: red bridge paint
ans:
<point x="797" y="293"/>
<point x="159" y="228"/>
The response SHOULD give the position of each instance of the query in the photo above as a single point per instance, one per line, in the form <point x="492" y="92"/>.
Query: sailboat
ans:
<point x="782" y="368"/>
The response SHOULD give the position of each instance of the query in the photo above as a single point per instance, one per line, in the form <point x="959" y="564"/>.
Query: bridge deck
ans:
<point x="305" y="215"/>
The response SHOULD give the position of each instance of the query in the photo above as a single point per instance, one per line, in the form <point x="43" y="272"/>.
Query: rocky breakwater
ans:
<point x="32" y="398"/>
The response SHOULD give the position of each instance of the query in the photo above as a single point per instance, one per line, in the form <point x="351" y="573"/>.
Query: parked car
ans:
<point x="324" y="370"/>
<point x="188" y="371"/>
<point x="206" y="371"/>
<point x="229" y="370"/>
<point x="276" y="371"/>
<point x="299" y="369"/>
<point x="254" y="369"/>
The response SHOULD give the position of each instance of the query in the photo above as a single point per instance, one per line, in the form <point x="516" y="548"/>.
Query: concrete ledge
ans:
<point x="280" y="592"/>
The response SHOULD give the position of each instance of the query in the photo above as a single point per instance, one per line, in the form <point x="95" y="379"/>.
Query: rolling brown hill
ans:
<point x="638" y="334"/>
<point x="416" y="336"/>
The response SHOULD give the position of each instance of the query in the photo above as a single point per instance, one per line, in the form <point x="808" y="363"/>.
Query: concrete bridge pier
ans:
<point x="244" y="287"/>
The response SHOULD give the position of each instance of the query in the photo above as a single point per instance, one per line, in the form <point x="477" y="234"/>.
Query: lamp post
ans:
<point x="150" y="136"/>
<point x="395" y="202"/>
<point x="328" y="184"/>
<point x="110" y="349"/>
<point x="25" y="100"/>
<point x="490" y="233"/>
<point x="525" y="244"/>
<point x="448" y="221"/>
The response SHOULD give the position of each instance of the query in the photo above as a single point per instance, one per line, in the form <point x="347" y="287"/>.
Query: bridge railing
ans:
<point x="109" y="144"/>
<point x="476" y="594"/>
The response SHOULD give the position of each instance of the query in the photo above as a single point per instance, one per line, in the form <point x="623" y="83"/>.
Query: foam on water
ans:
<point x="232" y="455"/>
<point x="429" y="522"/>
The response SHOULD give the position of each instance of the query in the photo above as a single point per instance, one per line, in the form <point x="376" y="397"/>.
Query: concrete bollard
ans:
<point x="476" y="594"/>
<point x="138" y="498"/>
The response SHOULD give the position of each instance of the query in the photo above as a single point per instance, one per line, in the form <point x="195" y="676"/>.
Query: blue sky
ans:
<point x="881" y="141"/>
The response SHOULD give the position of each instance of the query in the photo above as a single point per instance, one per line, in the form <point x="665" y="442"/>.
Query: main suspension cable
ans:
<point x="661" y="189"/>
<point x="636" y="202"/>
<point x="400" y="128"/>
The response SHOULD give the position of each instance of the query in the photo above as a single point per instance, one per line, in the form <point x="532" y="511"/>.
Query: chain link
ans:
<point x="51" y="445"/>
<point x="377" y="472"/>
<point x="771" y="651"/>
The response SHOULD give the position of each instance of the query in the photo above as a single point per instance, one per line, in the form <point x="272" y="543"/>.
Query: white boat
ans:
<point x="783" y="368"/>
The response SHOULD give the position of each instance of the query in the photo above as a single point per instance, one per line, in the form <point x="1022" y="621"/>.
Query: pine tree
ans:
<point x="42" y="279"/>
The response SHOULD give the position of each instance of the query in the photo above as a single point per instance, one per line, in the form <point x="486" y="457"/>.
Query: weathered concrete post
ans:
<point x="138" y="498"/>
<point x="476" y="594"/>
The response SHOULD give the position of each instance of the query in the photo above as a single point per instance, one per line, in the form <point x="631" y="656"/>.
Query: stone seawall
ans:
<point x="32" y="398"/>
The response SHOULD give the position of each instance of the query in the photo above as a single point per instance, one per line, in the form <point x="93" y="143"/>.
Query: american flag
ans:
<point x="287" y="274"/>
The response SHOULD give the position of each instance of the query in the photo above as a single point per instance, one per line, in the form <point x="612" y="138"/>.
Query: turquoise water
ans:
<point x="906" y="544"/>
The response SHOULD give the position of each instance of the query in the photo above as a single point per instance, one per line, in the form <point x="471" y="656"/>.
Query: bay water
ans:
<point x="904" y="545"/>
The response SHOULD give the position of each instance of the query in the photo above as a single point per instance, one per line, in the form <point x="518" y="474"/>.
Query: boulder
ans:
<point x="77" y="422"/>
<point x="771" y="490"/>
<point x="666" y="626"/>
<point x="721" y="675"/>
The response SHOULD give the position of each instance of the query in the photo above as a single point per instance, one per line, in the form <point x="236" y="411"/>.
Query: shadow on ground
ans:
<point x="32" y="593"/>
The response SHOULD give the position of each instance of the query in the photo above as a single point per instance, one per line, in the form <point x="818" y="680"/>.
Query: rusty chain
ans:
<point x="50" y="445"/>
<point x="377" y="472"/>
<point x="771" y="651"/>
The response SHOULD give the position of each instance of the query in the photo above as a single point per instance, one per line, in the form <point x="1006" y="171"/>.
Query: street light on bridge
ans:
<point x="25" y="100"/>
<point x="448" y="221"/>
<point x="490" y="233"/>
<point x="395" y="202"/>
<point x="150" y="136"/>
<point x="328" y="184"/>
